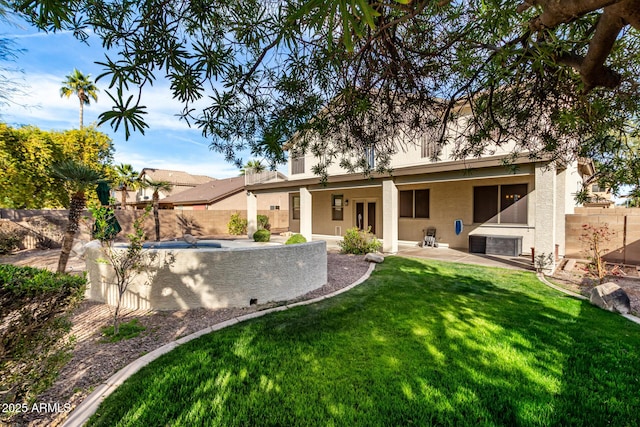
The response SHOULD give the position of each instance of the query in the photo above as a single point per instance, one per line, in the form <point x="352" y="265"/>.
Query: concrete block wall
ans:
<point x="173" y="223"/>
<point x="624" y="223"/>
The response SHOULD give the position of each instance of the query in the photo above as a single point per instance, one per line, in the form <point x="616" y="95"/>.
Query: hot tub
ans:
<point x="236" y="274"/>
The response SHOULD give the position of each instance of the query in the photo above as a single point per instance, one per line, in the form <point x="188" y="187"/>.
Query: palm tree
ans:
<point x="81" y="85"/>
<point x="77" y="178"/>
<point x="252" y="166"/>
<point x="157" y="187"/>
<point x="127" y="180"/>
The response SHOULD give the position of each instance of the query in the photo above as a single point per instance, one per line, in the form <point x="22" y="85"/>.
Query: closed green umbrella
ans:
<point x="113" y="227"/>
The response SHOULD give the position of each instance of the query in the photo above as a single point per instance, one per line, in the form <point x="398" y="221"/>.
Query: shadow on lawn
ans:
<point x="420" y="342"/>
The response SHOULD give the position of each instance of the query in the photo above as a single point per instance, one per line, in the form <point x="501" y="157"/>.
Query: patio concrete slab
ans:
<point x="464" y="257"/>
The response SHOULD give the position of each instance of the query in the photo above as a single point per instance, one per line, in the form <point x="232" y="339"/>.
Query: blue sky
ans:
<point x="47" y="58"/>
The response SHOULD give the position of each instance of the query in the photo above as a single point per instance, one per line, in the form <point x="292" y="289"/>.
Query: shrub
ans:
<point x="359" y="242"/>
<point x="262" y="236"/>
<point x="34" y="308"/>
<point x="237" y="225"/>
<point x="126" y="331"/>
<point x="10" y="240"/>
<point x="595" y="241"/>
<point x="296" y="238"/>
<point x="263" y="223"/>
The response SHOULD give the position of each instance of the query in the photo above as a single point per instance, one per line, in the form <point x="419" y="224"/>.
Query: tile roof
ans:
<point x="175" y="177"/>
<point x="207" y="193"/>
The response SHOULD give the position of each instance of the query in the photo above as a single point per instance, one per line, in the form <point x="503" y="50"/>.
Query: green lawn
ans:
<point x="419" y="343"/>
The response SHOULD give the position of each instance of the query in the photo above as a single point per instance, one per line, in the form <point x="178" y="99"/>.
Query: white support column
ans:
<point x="252" y="214"/>
<point x="389" y="216"/>
<point x="545" y="212"/>
<point x="306" y="209"/>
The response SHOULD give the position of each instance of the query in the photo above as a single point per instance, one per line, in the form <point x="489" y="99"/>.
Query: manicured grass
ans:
<point x="419" y="343"/>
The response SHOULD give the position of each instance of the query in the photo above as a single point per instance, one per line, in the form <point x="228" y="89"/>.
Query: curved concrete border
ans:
<point x="90" y="404"/>
<point x="544" y="280"/>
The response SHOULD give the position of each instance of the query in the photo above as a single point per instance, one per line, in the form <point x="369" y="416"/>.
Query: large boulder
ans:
<point x="373" y="257"/>
<point x="611" y="297"/>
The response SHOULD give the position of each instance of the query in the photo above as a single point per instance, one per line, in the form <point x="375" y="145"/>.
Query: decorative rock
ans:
<point x="373" y="257"/>
<point x="611" y="297"/>
<point x="193" y="241"/>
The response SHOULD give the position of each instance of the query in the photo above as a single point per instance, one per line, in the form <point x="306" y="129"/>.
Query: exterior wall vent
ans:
<point x="338" y="230"/>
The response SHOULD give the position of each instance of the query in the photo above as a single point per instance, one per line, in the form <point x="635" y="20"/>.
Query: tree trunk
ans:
<point x="75" y="210"/>
<point x="156" y="216"/>
<point x="81" y="114"/>
<point x="67" y="243"/>
<point x="124" y="198"/>
<point x="116" y="317"/>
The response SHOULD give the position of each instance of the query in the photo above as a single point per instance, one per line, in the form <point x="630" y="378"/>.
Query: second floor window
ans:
<point x="370" y="156"/>
<point x="429" y="148"/>
<point x="297" y="163"/>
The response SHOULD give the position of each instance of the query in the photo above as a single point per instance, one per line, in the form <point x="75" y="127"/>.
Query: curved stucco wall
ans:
<point x="179" y="279"/>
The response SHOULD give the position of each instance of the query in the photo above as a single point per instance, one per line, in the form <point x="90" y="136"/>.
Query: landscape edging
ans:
<point x="90" y="404"/>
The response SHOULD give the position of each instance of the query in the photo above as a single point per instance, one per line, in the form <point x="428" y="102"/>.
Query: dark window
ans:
<point x="513" y="204"/>
<point x="406" y="204"/>
<point x="595" y="188"/>
<point x="485" y="203"/>
<point x="274" y="207"/>
<point x="509" y="200"/>
<point x="337" y="207"/>
<point x="297" y="163"/>
<point x="422" y="203"/>
<point x="414" y="204"/>
<point x="370" y="156"/>
<point x="295" y="202"/>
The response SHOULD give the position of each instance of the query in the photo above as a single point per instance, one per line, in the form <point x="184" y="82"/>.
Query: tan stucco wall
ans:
<point x="454" y="200"/>
<point x="179" y="279"/>
<point x="322" y="222"/>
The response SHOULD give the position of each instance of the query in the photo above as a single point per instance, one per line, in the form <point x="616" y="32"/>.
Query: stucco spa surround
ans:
<point x="209" y="277"/>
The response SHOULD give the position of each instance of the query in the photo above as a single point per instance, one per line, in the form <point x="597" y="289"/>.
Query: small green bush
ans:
<point x="296" y="238"/>
<point x="359" y="242"/>
<point x="262" y="236"/>
<point x="237" y="225"/>
<point x="35" y="305"/>
<point x="126" y="331"/>
<point x="263" y="223"/>
<point x="10" y="241"/>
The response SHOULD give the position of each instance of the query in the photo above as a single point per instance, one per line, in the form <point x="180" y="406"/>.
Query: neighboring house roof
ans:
<point x="175" y="177"/>
<point x="207" y="193"/>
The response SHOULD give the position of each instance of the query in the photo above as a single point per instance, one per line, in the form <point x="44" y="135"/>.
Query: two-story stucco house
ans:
<point x="476" y="204"/>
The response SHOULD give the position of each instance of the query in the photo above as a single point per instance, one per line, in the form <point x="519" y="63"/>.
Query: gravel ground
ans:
<point x="94" y="361"/>
<point x="578" y="280"/>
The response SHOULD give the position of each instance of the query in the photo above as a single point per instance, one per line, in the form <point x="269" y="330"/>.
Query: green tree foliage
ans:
<point x="126" y="179"/>
<point x="157" y="187"/>
<point x="27" y="155"/>
<point x="76" y="178"/>
<point x="126" y="263"/>
<point x="253" y="166"/>
<point x="617" y="167"/>
<point x="80" y="85"/>
<point x="555" y="77"/>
